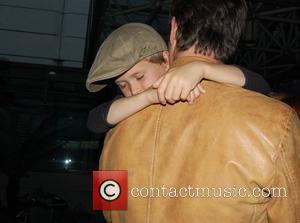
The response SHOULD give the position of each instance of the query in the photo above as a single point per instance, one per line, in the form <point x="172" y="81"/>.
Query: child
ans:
<point x="136" y="57"/>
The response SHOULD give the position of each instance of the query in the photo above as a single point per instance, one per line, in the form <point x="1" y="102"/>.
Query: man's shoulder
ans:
<point x="221" y="103"/>
<point x="244" y="97"/>
<point x="245" y="103"/>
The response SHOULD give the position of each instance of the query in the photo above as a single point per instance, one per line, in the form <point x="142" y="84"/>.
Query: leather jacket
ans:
<point x="229" y="138"/>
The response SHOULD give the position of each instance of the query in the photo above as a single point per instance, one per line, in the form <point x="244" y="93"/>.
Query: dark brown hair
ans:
<point x="209" y="25"/>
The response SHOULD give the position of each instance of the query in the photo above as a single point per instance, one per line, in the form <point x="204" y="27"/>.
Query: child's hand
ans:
<point x="195" y="93"/>
<point x="151" y="96"/>
<point x="180" y="84"/>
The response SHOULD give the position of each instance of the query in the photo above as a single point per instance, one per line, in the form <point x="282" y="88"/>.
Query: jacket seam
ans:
<point x="281" y="154"/>
<point x="152" y="167"/>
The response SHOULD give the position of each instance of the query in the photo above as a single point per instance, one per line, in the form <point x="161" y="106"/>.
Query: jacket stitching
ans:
<point x="152" y="170"/>
<point x="281" y="154"/>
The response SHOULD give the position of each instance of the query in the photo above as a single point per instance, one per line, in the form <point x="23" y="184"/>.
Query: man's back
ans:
<point x="225" y="148"/>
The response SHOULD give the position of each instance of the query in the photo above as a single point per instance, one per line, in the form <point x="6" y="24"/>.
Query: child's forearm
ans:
<point x="127" y="106"/>
<point x="224" y="74"/>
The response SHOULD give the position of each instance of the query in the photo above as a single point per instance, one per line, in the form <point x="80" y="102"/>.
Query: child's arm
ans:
<point x="255" y="82"/>
<point x="232" y="74"/>
<point x="127" y="106"/>
<point x="97" y="117"/>
<point x="181" y="82"/>
<point x="107" y="115"/>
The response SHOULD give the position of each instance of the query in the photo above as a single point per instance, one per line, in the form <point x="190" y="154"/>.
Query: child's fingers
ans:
<point x="184" y="94"/>
<point x="197" y="92"/>
<point x="169" y="94"/>
<point x="161" y="97"/>
<point x="162" y="90"/>
<point x="202" y="90"/>
<point x="158" y="82"/>
<point x="188" y="98"/>
<point x="192" y="97"/>
<point x="176" y="93"/>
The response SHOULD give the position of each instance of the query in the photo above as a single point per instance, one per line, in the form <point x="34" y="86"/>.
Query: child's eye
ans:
<point x="140" y="77"/>
<point x="123" y="85"/>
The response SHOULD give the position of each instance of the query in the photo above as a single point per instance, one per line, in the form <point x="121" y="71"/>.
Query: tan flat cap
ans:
<point x="122" y="49"/>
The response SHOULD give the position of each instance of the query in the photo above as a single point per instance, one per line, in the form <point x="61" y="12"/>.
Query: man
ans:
<point x="232" y="156"/>
<point x="134" y="57"/>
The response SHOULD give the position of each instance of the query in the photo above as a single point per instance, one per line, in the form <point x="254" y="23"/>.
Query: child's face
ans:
<point x="140" y="77"/>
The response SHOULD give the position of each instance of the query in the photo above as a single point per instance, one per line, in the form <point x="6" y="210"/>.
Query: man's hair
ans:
<point x="157" y="58"/>
<point x="209" y="25"/>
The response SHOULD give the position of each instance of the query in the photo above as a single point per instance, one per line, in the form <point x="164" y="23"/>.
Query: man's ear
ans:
<point x="174" y="27"/>
<point x="173" y="42"/>
<point x="166" y="56"/>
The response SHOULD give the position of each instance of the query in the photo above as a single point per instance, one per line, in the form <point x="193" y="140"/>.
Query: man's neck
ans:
<point x="191" y="53"/>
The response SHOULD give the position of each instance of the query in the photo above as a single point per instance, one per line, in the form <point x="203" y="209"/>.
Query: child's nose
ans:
<point x="135" y="89"/>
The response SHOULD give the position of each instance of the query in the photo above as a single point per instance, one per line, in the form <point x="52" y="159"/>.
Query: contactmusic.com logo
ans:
<point x="110" y="190"/>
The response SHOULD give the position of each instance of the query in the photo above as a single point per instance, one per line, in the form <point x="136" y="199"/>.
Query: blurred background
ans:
<point x="46" y="49"/>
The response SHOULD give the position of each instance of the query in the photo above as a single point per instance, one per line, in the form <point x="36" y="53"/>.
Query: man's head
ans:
<point x="211" y="28"/>
<point x="135" y="55"/>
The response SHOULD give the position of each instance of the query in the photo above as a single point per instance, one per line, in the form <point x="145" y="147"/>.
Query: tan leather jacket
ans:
<point x="229" y="138"/>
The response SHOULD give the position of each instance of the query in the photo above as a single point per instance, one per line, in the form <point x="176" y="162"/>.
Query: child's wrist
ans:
<point x="200" y="68"/>
<point x="147" y="97"/>
<point x="152" y="96"/>
<point x="208" y="71"/>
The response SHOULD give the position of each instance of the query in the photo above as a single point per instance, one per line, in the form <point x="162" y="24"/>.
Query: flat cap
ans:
<point x="122" y="49"/>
